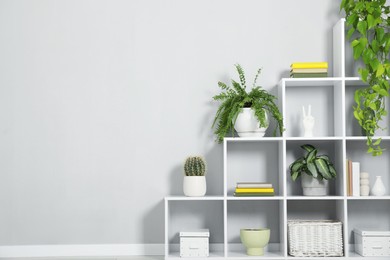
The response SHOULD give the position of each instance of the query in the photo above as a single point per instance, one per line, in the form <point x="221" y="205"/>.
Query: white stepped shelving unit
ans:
<point x="336" y="135"/>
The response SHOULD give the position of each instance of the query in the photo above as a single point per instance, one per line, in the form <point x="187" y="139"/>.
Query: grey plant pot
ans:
<point x="314" y="187"/>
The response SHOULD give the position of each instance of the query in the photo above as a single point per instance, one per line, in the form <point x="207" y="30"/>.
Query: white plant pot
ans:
<point x="247" y="124"/>
<point x="313" y="186"/>
<point x="194" y="186"/>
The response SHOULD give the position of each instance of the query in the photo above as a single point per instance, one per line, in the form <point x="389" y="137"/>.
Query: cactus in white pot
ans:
<point x="194" y="183"/>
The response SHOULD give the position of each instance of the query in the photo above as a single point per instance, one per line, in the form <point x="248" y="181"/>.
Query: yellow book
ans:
<point x="258" y="190"/>
<point x="309" y="65"/>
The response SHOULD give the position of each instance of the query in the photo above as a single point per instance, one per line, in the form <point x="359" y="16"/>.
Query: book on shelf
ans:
<point x="355" y="179"/>
<point x="348" y="177"/>
<point x="254" y="190"/>
<point x="253" y="194"/>
<point x="309" y="65"/>
<point x="253" y="185"/>
<point x="309" y="75"/>
<point x="309" y="71"/>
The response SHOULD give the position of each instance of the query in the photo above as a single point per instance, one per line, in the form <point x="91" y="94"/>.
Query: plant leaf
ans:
<point x="380" y="70"/>
<point x="308" y="147"/>
<point x="362" y="27"/>
<point x="294" y="176"/>
<point x="310" y="156"/>
<point x="332" y="171"/>
<point x="312" y="168"/>
<point x="371" y="21"/>
<point x="297" y="165"/>
<point x="322" y="168"/>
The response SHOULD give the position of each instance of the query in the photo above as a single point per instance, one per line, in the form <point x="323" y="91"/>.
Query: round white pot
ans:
<point x="247" y="124"/>
<point x="194" y="186"/>
<point x="314" y="187"/>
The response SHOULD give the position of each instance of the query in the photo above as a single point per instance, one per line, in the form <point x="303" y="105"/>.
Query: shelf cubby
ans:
<point x="361" y="214"/>
<point x="325" y="100"/>
<point x="194" y="214"/>
<point x="332" y="148"/>
<point x="254" y="161"/>
<point x="255" y="214"/>
<point x="318" y="210"/>
<point x="374" y="165"/>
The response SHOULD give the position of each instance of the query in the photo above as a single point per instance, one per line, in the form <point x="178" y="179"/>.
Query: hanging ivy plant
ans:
<point x="368" y="22"/>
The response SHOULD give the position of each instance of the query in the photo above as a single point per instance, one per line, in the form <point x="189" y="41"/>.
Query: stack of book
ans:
<point x="254" y="189"/>
<point x="309" y="70"/>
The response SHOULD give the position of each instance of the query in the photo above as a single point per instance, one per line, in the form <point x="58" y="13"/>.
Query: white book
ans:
<point x="355" y="179"/>
<point x="253" y="185"/>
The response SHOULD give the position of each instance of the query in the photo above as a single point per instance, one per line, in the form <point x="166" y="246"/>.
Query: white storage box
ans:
<point x="194" y="243"/>
<point x="372" y="243"/>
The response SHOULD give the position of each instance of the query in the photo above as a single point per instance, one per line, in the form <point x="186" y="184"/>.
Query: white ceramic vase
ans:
<point x="379" y="188"/>
<point x="247" y="124"/>
<point x="194" y="186"/>
<point x="313" y="186"/>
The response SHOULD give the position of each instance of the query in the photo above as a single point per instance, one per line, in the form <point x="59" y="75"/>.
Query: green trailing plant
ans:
<point x="318" y="166"/>
<point x="234" y="98"/>
<point x="195" y="166"/>
<point x="368" y="22"/>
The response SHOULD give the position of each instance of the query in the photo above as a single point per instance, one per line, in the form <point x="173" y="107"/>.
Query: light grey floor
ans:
<point x="89" y="258"/>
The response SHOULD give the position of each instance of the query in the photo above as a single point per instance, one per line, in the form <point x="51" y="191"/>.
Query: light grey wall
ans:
<point x="101" y="101"/>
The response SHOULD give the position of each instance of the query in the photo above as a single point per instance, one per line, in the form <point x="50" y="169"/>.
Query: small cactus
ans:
<point x="195" y="166"/>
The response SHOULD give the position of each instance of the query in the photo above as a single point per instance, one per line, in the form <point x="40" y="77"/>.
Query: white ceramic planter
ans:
<point x="314" y="187"/>
<point x="247" y="124"/>
<point x="194" y="186"/>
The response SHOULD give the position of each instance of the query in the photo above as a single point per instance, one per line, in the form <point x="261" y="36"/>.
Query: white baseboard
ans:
<point x="81" y="250"/>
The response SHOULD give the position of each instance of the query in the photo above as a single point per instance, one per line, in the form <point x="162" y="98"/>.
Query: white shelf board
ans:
<point x="185" y="198"/>
<point x="252" y="139"/>
<point x="319" y="138"/>
<point x="259" y="198"/>
<point x="354" y="81"/>
<point x="355" y="255"/>
<point x="319" y="257"/>
<point x="369" y="198"/>
<point x="241" y="254"/>
<point x="364" y="138"/>
<point x="212" y="254"/>
<point x="315" y="197"/>
<point x="309" y="82"/>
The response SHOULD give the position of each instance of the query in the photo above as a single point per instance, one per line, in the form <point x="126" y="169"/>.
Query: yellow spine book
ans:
<point x="309" y="65"/>
<point x="259" y="190"/>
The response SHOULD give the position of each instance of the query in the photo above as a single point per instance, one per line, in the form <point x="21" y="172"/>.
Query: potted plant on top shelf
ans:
<point x="369" y="23"/>
<point x="315" y="170"/>
<point x="247" y="113"/>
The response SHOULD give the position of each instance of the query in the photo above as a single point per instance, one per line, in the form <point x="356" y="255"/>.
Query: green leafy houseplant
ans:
<point x="195" y="166"/>
<point x="318" y="166"/>
<point x="368" y="23"/>
<point x="233" y="99"/>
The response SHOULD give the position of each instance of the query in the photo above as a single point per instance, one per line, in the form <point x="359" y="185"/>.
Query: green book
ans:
<point x="253" y="194"/>
<point x="309" y="75"/>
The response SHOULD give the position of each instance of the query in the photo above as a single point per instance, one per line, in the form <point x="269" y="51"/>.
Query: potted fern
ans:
<point x="315" y="170"/>
<point x="247" y="113"/>
<point x="194" y="183"/>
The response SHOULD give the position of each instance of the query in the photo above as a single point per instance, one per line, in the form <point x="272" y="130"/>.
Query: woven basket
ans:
<point x="315" y="238"/>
